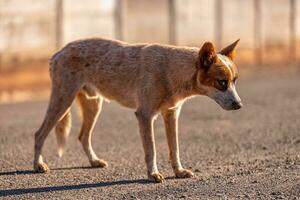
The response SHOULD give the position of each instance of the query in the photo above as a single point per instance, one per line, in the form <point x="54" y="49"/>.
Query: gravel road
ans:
<point x="245" y="154"/>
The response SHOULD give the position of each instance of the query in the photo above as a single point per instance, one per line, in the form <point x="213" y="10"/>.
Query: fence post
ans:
<point x="1" y="62"/>
<point x="292" y="28"/>
<point x="172" y="22"/>
<point x="0" y="51"/>
<point x="258" y="32"/>
<point x="58" y="23"/>
<point x="219" y="22"/>
<point x="118" y="18"/>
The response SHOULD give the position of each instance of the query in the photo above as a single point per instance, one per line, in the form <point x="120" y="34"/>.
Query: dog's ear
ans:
<point x="229" y="51"/>
<point x="207" y="56"/>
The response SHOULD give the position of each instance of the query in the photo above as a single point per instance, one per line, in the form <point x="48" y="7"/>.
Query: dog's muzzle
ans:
<point x="229" y="99"/>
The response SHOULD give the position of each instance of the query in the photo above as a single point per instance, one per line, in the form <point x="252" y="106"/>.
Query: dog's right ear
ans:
<point x="207" y="56"/>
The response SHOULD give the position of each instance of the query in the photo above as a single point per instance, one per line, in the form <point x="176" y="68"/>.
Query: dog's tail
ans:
<point x="62" y="131"/>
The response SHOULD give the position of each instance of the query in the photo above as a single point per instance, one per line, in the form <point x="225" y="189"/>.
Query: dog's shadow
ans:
<point x="21" y="191"/>
<point x="23" y="172"/>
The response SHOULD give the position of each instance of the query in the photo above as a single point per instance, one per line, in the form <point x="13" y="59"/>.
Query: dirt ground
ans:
<point x="253" y="153"/>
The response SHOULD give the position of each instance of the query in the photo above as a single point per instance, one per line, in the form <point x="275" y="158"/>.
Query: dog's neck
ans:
<point x="189" y="84"/>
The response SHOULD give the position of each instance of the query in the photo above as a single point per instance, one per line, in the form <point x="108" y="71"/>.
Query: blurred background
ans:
<point x="32" y="30"/>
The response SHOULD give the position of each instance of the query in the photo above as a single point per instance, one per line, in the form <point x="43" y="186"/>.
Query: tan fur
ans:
<point x="149" y="78"/>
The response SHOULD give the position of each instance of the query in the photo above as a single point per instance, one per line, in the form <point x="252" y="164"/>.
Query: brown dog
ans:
<point x="149" y="78"/>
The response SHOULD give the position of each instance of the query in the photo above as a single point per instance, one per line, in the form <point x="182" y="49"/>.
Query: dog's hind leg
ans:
<point x="91" y="107"/>
<point x="62" y="96"/>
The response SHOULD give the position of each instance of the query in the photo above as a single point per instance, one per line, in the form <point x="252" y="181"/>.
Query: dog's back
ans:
<point x="120" y="70"/>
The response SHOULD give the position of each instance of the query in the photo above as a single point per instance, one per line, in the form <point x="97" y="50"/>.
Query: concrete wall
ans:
<point x="28" y="28"/>
<point x="25" y="26"/>
<point x="26" y="23"/>
<point x="238" y="22"/>
<point x="93" y="18"/>
<point x="145" y="21"/>
<point x="195" y="21"/>
<point x="275" y="29"/>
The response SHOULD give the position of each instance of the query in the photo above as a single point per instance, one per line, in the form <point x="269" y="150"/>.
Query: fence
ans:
<point x="32" y="30"/>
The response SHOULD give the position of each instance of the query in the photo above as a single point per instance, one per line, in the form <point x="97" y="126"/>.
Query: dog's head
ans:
<point x="218" y="75"/>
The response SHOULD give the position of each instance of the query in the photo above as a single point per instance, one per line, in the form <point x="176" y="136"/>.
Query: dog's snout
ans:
<point x="236" y="105"/>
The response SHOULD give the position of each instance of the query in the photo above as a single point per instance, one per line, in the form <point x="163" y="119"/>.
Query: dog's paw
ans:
<point x="156" y="177"/>
<point x="99" y="163"/>
<point x="41" y="168"/>
<point x="184" y="173"/>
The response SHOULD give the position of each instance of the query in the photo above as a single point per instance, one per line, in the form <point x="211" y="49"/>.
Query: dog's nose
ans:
<point x="236" y="105"/>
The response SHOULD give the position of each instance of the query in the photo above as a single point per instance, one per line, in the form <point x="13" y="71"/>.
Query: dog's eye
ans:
<point x="223" y="84"/>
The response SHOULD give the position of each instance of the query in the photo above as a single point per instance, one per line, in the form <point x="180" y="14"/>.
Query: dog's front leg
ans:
<point x="146" y="130"/>
<point x="171" y="125"/>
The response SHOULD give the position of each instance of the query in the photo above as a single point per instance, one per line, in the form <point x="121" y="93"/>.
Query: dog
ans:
<point x="152" y="79"/>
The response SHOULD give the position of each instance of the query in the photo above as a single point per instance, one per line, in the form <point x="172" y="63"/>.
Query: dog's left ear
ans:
<point x="207" y="56"/>
<point x="229" y="51"/>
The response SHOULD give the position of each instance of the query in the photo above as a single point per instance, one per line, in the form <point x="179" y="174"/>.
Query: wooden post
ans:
<point x="0" y="62"/>
<point x="292" y="31"/>
<point x="219" y="22"/>
<point x="172" y="22"/>
<point x="258" y="32"/>
<point x="59" y="23"/>
<point x="118" y="18"/>
<point x="0" y="51"/>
